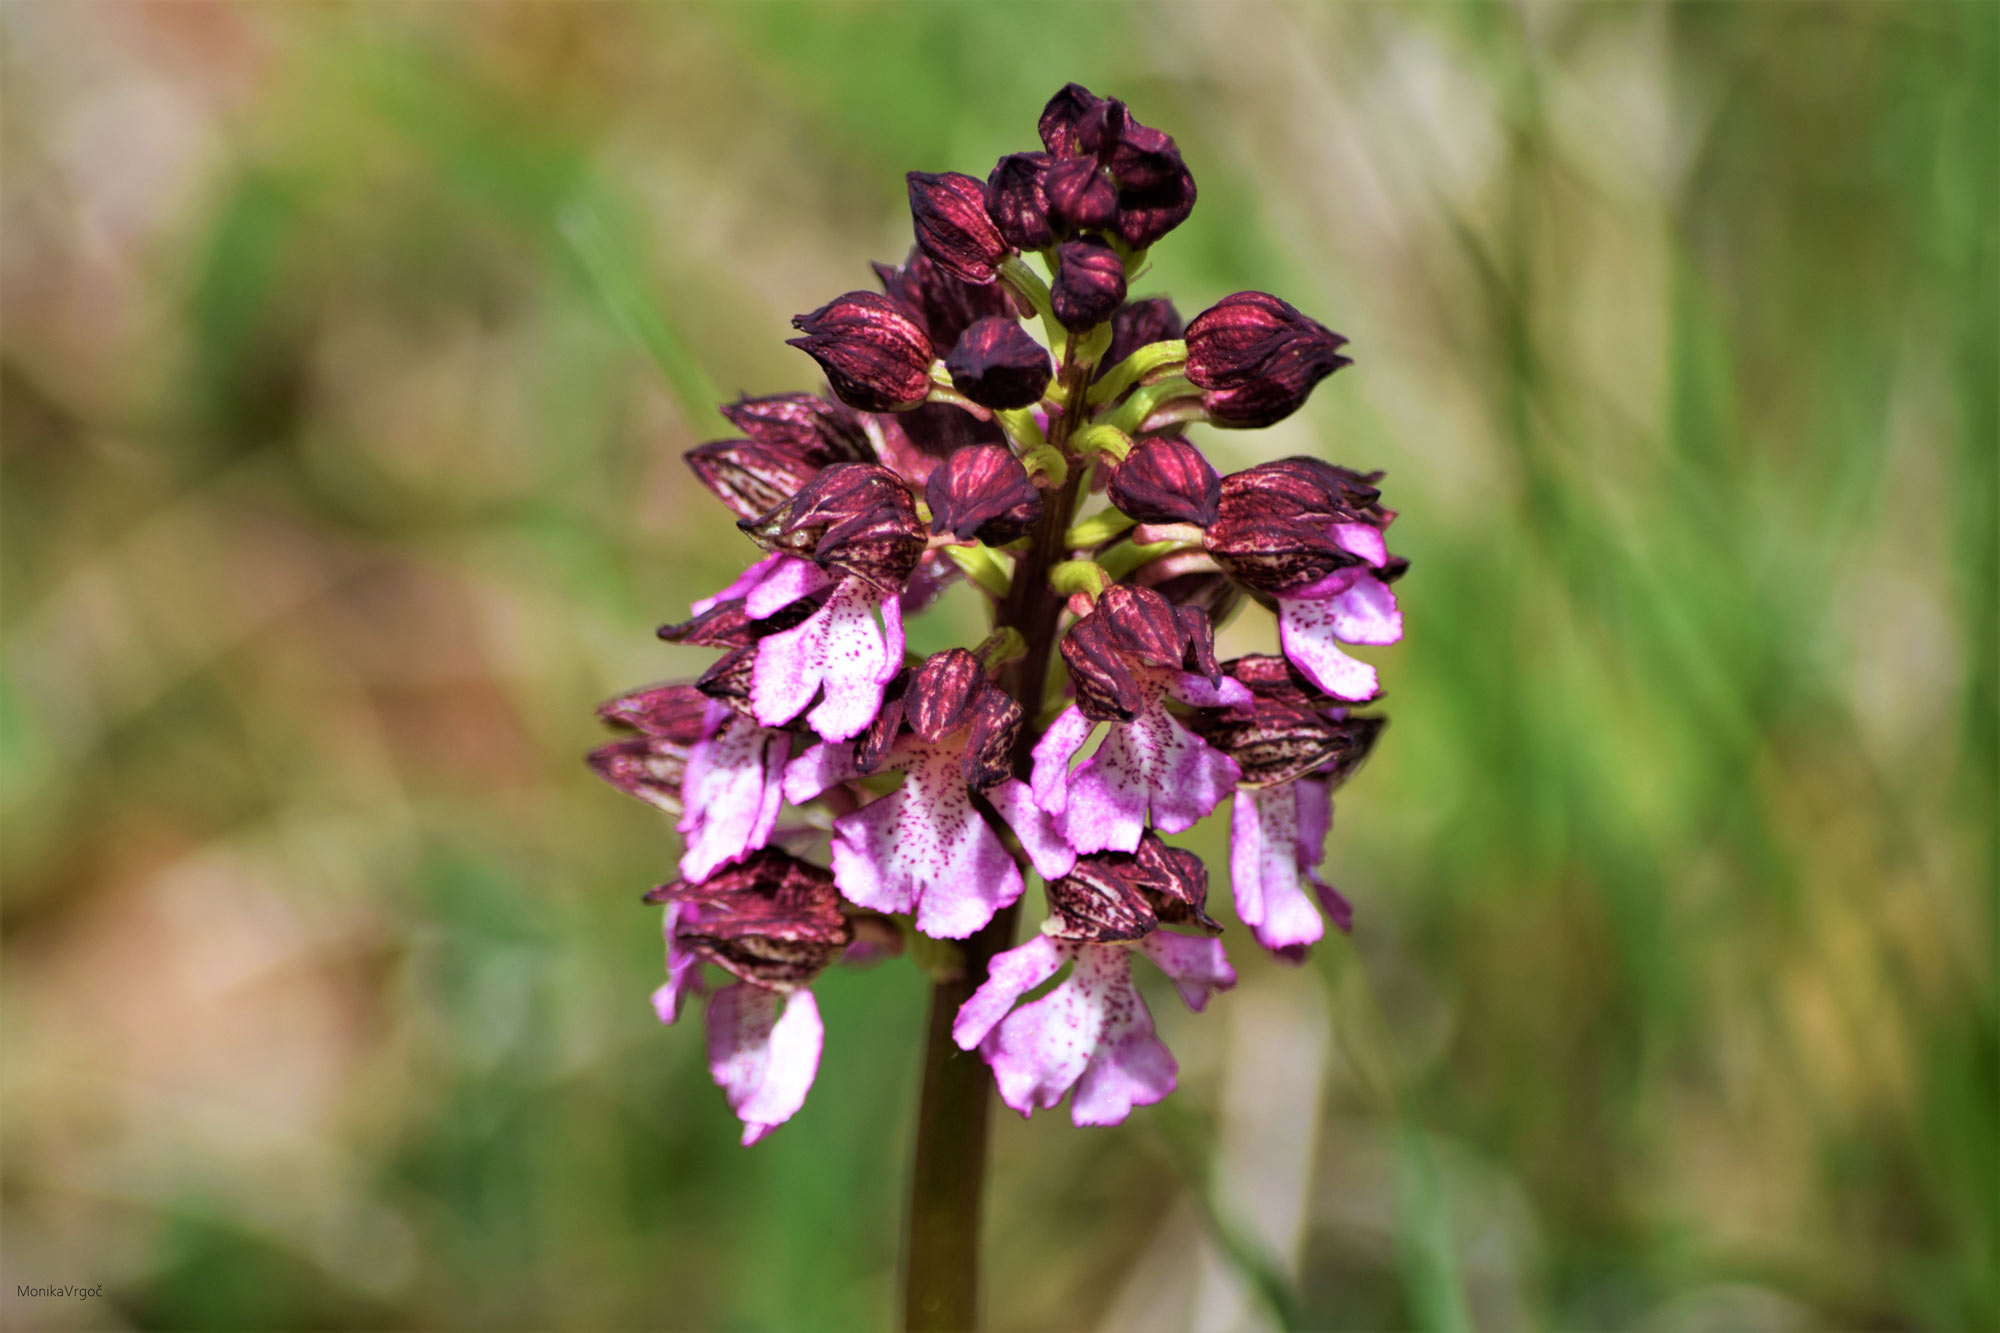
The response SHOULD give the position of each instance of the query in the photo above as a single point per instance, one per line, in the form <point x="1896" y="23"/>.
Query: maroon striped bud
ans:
<point x="1258" y="358"/>
<point x="953" y="227"/>
<point x="671" y="712"/>
<point x="996" y="364"/>
<point x="772" y="919"/>
<point x="820" y="429"/>
<point x="791" y="437"/>
<point x="944" y="305"/>
<point x="1089" y="285"/>
<point x="1125" y="895"/>
<point x="1192" y="578"/>
<point x="1082" y="197"/>
<point x="1133" y="627"/>
<point x="875" y="355"/>
<point x="1138" y="323"/>
<point x="1291" y="729"/>
<point x="1144" y="216"/>
<point x="1277" y="524"/>
<point x="643" y="766"/>
<point x="941" y="693"/>
<point x="1061" y="117"/>
<point x="1017" y="200"/>
<point x="982" y="494"/>
<point x="996" y="731"/>
<point x="728" y="624"/>
<point x="854" y="518"/>
<point x="1166" y="481"/>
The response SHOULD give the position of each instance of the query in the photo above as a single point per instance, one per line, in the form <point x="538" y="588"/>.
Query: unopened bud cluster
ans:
<point x="839" y="797"/>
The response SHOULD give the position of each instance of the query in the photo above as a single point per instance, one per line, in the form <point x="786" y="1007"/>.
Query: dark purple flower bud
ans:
<point x="942" y="692"/>
<point x="821" y="430"/>
<point x="748" y="476"/>
<point x="1166" y="481"/>
<point x="952" y="225"/>
<point x="671" y="712"/>
<point x="1278" y="524"/>
<point x="944" y="305"/>
<point x="1138" y="323"/>
<point x="1062" y="116"/>
<point x="996" y="364"/>
<point x="1094" y="903"/>
<point x="1017" y="199"/>
<point x="1089" y="285"/>
<point x="728" y="681"/>
<point x="982" y="494"/>
<point x="914" y="443"/>
<point x="1133" y="627"/>
<point x="875" y="355"/>
<point x="791" y="436"/>
<point x="996" y="731"/>
<point x="1081" y="196"/>
<point x="1290" y="729"/>
<point x="1174" y="881"/>
<point x="1258" y="358"/>
<point x="855" y="518"/>
<point x="1144" y="216"/>
<point x="773" y="919"/>
<point x="1125" y="895"/>
<point x="643" y="766"/>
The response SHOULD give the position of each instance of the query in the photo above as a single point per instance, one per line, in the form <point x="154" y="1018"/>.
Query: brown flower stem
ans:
<point x="948" y="1179"/>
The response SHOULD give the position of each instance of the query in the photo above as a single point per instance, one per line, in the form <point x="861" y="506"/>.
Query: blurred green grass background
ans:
<point x="349" y="352"/>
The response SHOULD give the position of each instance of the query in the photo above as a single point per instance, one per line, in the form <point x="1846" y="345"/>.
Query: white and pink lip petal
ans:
<point x="1131" y="1065"/>
<point x="1039" y="1051"/>
<point x="763" y="1060"/>
<point x="1008" y="977"/>
<point x="1196" y="964"/>
<point x="731" y="795"/>
<point x="1306" y="629"/>
<point x="924" y="848"/>
<point x="1040" y="832"/>
<point x="786" y="579"/>
<point x="1264" y="873"/>
<point x="1051" y="776"/>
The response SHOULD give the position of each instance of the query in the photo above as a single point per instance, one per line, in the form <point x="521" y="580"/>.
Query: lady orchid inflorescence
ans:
<point x="839" y="797"/>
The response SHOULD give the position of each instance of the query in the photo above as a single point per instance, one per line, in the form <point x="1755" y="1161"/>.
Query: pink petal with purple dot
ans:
<point x="731" y="795"/>
<point x="924" y="848"/>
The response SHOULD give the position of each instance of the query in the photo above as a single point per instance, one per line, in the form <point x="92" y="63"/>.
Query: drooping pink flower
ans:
<point x="1294" y="746"/>
<point x="773" y="922"/>
<point x="1093" y="1033"/>
<point x="1127" y="657"/>
<point x="925" y="847"/>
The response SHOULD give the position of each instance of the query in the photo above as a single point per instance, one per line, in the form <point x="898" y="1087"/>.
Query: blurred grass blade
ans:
<point x="615" y="274"/>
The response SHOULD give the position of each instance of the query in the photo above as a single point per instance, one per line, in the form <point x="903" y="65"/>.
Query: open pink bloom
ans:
<point x="774" y="922"/>
<point x="1126" y="658"/>
<point x="1277" y="840"/>
<point x="925" y="848"/>
<point x="1093" y="1033"/>
<point x="1294" y="745"/>
<point x="1148" y="770"/>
